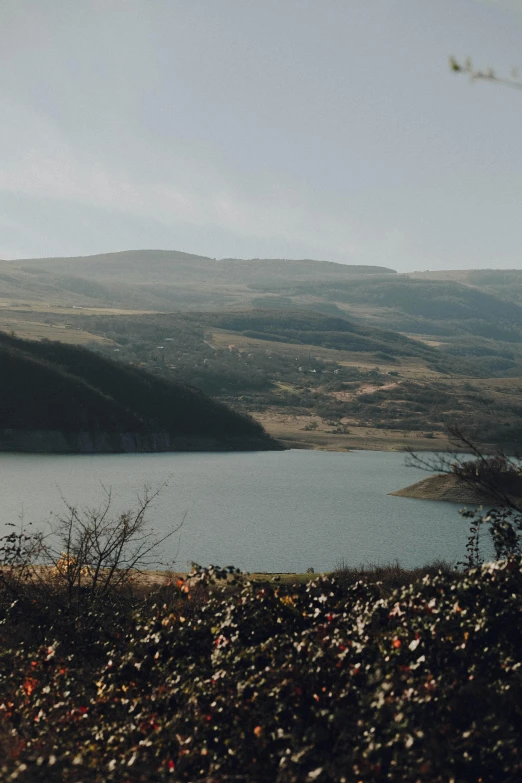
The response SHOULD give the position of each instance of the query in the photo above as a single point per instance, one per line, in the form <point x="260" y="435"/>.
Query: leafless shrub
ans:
<point x="87" y="556"/>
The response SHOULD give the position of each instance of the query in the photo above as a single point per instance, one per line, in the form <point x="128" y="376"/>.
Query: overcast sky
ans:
<point x="328" y="129"/>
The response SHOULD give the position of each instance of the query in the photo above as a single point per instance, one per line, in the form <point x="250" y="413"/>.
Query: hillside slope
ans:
<point x="161" y="279"/>
<point x="315" y="328"/>
<point x="303" y="369"/>
<point x="480" y="304"/>
<point x="84" y="398"/>
<point x="346" y="350"/>
<point x="444" y="308"/>
<point x="166" y="265"/>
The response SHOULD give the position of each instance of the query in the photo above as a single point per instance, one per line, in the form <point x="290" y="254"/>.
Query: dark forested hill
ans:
<point x="53" y="387"/>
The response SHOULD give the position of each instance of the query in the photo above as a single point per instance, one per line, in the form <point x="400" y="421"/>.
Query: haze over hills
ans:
<point x="484" y="303"/>
<point x="169" y="259"/>
<point x="505" y="283"/>
<point x="161" y="279"/>
<point x="167" y="266"/>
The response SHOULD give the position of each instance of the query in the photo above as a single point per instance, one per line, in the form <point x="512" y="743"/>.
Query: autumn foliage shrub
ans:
<point x="279" y="683"/>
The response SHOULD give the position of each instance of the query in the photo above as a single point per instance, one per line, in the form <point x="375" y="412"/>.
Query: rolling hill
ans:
<point x="57" y="397"/>
<point x="484" y="304"/>
<point x="444" y="308"/>
<point x="304" y="327"/>
<point x="172" y="265"/>
<point x="161" y="279"/>
<point x="355" y="347"/>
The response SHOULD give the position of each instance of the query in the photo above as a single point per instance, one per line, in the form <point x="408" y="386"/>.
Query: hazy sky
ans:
<point x="290" y="128"/>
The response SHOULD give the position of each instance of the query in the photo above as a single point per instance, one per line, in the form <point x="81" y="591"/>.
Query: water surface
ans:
<point x="260" y="511"/>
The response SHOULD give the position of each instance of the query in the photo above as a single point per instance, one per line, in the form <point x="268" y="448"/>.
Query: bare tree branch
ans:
<point x="489" y="75"/>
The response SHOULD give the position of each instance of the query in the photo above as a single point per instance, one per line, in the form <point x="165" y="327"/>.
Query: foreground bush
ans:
<point x="316" y="682"/>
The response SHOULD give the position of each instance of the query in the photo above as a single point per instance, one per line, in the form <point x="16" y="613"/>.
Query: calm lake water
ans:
<point x="263" y="511"/>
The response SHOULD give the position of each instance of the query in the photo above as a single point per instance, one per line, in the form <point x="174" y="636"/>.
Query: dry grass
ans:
<point x="289" y="429"/>
<point x="38" y="330"/>
<point x="37" y="321"/>
<point x="11" y="306"/>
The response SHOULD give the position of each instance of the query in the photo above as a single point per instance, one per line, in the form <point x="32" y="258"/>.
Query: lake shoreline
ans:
<point x="450" y="488"/>
<point x="281" y="436"/>
<point x="312" y="433"/>
<point x="60" y="443"/>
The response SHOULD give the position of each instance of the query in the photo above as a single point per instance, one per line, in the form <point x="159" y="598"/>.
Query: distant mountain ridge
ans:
<point x="162" y="280"/>
<point x="476" y="304"/>
<point x="164" y="261"/>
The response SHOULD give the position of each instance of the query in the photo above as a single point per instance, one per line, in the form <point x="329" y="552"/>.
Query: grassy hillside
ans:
<point x="163" y="265"/>
<point x="318" y="371"/>
<point x="313" y="328"/>
<point x="224" y="352"/>
<point x="319" y="378"/>
<point x="504" y="283"/>
<point x="52" y="386"/>
<point x="163" y="279"/>
<point x="318" y="344"/>
<point x="433" y="307"/>
<point x="483" y="303"/>
<point x="480" y="303"/>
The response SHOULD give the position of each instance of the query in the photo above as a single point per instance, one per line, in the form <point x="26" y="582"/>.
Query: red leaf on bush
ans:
<point x="29" y="685"/>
